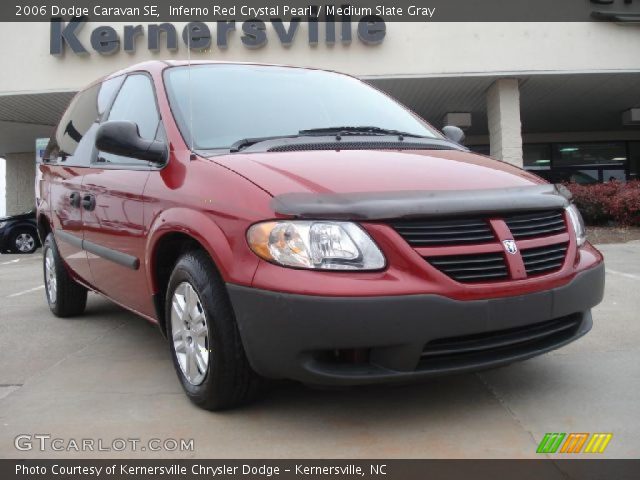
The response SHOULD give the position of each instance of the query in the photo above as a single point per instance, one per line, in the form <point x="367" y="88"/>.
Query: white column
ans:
<point x="503" y="115"/>
<point x="20" y="175"/>
<point x="3" y="188"/>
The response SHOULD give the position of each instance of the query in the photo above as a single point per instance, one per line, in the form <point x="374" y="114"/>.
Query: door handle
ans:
<point x="74" y="199"/>
<point x="89" y="202"/>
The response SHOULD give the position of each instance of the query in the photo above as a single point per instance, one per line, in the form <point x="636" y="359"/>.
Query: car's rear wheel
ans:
<point x="205" y="343"/>
<point x="65" y="296"/>
<point x="24" y="240"/>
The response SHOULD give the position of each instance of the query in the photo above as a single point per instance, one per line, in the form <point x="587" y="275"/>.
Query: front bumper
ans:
<point x="395" y="338"/>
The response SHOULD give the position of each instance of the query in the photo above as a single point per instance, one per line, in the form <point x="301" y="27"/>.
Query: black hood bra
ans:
<point x="416" y="204"/>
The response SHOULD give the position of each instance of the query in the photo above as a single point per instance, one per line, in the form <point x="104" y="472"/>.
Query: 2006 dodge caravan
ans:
<point x="281" y="222"/>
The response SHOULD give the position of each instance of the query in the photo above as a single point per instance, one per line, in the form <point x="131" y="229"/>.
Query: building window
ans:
<point x="536" y="156"/>
<point x="634" y="160"/>
<point x="580" y="162"/>
<point x="596" y="153"/>
<point x="590" y="162"/>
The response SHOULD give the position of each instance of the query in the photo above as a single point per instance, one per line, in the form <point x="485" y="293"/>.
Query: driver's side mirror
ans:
<point x="121" y="137"/>
<point x="453" y="133"/>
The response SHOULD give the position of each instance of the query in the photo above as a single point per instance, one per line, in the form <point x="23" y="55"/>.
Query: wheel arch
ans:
<point x="43" y="227"/>
<point x="174" y="233"/>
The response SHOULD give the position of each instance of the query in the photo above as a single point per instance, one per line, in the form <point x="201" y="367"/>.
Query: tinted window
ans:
<point x="537" y="156"/>
<point x="74" y="140"/>
<point x="634" y="159"/>
<point x="135" y="102"/>
<point x="580" y="154"/>
<point x="220" y="104"/>
<point x="72" y="144"/>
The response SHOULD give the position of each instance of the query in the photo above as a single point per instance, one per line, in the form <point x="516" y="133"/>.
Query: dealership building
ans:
<point x="562" y="99"/>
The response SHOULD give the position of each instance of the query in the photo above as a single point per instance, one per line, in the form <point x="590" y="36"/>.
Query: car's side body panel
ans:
<point x="117" y="224"/>
<point x="66" y="217"/>
<point x="210" y="204"/>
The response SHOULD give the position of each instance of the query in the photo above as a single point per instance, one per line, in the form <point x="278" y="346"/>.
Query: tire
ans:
<point x="24" y="240"/>
<point x="65" y="296"/>
<point x="225" y="379"/>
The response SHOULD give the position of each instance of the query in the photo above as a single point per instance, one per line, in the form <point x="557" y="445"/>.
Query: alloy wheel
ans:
<point x="190" y="333"/>
<point x="25" y="242"/>
<point x="50" y="279"/>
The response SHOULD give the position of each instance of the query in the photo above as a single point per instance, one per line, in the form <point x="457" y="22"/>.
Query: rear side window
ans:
<point x="74" y="140"/>
<point x="135" y="102"/>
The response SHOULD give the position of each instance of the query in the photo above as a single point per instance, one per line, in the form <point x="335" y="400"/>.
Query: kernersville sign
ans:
<point x="106" y="40"/>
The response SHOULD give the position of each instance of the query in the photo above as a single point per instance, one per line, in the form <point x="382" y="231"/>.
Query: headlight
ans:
<point x="578" y="224"/>
<point x="2" y="224"/>
<point x="315" y="245"/>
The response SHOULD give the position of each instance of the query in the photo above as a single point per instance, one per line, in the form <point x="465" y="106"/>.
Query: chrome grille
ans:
<point x="546" y="259"/>
<point x="472" y="268"/>
<point x="536" y="224"/>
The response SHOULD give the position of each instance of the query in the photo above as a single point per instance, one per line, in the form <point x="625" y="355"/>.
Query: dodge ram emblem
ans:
<point x="510" y="246"/>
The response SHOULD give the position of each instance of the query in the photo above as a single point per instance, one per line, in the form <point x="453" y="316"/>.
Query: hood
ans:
<point x="20" y="216"/>
<point x="354" y="171"/>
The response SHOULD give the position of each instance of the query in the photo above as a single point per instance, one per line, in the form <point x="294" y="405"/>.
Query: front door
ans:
<point x="113" y="216"/>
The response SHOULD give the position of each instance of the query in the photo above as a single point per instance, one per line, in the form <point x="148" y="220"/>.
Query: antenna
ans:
<point x="191" y="141"/>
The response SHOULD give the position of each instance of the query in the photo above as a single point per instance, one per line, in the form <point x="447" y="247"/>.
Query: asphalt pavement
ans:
<point x="107" y="376"/>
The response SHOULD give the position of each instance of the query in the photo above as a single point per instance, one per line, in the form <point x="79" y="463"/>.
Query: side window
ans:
<point x="74" y="140"/>
<point x="108" y="90"/>
<point x="135" y="102"/>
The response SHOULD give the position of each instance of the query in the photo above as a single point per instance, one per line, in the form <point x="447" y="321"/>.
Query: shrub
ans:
<point x="625" y="206"/>
<point x="606" y="202"/>
<point x="594" y="201"/>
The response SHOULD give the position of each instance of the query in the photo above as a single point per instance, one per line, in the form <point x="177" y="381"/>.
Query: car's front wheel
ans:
<point x="65" y="296"/>
<point x="207" y="351"/>
<point x="24" y="240"/>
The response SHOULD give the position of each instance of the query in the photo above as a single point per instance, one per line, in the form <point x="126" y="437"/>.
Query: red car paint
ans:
<point x="215" y="200"/>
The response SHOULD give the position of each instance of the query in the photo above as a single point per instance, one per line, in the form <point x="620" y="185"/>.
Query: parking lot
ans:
<point x="108" y="375"/>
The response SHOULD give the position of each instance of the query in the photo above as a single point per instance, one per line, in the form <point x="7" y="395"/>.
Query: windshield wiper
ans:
<point x="361" y="130"/>
<point x="247" y="142"/>
<point x="357" y="130"/>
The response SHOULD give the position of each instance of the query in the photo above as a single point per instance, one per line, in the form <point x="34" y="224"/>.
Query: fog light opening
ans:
<point x="351" y="356"/>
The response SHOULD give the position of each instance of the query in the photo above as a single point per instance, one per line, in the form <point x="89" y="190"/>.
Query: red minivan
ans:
<point x="280" y="222"/>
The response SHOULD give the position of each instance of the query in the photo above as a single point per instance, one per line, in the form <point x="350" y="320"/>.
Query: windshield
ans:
<point x="227" y="103"/>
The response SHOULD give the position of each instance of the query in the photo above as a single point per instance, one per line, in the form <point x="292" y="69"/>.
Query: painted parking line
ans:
<point x="24" y="292"/>
<point x="8" y="389"/>
<point x="624" y="274"/>
<point x="10" y="262"/>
